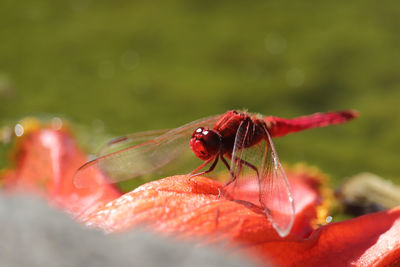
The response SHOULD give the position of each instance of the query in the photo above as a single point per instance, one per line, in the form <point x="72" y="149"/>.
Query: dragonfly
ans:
<point x="242" y="141"/>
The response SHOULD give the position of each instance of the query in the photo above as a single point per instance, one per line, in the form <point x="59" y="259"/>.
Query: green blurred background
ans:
<point x="142" y="65"/>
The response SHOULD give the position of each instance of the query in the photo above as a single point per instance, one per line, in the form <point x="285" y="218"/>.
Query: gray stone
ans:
<point x="33" y="234"/>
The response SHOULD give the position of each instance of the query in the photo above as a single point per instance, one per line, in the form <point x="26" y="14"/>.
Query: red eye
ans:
<point x="205" y="143"/>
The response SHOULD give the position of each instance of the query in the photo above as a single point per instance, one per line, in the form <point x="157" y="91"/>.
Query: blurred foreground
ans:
<point x="33" y="234"/>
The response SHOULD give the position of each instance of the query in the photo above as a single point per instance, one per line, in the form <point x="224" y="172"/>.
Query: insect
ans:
<point x="241" y="140"/>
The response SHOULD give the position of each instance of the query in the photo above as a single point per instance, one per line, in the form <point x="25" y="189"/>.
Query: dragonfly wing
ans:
<point x="238" y="155"/>
<point x="260" y="178"/>
<point x="275" y="193"/>
<point x="130" y="140"/>
<point x="132" y="156"/>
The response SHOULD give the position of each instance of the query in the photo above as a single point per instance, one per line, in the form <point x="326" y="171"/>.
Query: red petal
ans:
<point x="370" y="240"/>
<point x="46" y="161"/>
<point x="183" y="207"/>
<point x="192" y="208"/>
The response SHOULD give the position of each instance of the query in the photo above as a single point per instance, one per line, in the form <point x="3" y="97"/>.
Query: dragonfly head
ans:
<point x="205" y="143"/>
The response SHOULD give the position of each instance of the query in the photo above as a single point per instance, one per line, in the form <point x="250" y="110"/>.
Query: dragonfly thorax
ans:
<point x="205" y="143"/>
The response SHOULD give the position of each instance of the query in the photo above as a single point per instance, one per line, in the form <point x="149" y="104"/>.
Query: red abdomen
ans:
<point x="280" y="126"/>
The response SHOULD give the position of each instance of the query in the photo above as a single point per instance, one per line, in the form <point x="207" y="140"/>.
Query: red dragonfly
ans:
<point x="241" y="140"/>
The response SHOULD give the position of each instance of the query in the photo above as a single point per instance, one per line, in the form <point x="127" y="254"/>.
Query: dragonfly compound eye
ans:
<point x="205" y="143"/>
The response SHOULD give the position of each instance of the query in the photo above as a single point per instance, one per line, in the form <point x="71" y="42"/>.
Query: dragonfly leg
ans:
<point x="226" y="164"/>
<point x="212" y="167"/>
<point x="241" y="163"/>
<point x="233" y="176"/>
<point x="251" y="166"/>
<point x="200" y="167"/>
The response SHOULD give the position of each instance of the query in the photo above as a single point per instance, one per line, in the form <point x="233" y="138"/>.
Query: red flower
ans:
<point x="46" y="160"/>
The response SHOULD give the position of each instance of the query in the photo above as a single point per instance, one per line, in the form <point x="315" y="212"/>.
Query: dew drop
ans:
<point x="329" y="219"/>
<point x="19" y="130"/>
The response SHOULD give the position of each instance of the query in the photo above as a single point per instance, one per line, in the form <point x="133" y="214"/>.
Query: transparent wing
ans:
<point x="260" y="178"/>
<point x="139" y="154"/>
<point x="130" y="140"/>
